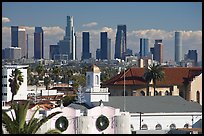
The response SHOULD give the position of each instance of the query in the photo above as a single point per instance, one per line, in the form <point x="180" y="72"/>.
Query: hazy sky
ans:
<point x="153" y="20"/>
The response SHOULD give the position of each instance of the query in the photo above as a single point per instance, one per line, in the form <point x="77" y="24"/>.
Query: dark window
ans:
<point x="172" y="126"/>
<point x="144" y="127"/>
<point x="167" y="92"/>
<point x="198" y="96"/>
<point x="142" y="93"/>
<point x="186" y="125"/>
<point x="158" y="127"/>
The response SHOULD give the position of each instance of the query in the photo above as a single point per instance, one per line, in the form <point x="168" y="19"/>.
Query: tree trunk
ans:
<point x="154" y="84"/>
<point x="147" y="89"/>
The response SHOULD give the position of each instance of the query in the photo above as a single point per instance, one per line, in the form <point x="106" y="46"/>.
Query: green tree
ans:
<point x="66" y="100"/>
<point x="15" y="82"/>
<point x="47" y="82"/>
<point x="18" y="125"/>
<point x="40" y="70"/>
<point x="154" y="72"/>
<point x="56" y="72"/>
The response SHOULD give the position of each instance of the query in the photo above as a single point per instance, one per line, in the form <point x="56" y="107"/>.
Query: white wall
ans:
<point x="22" y="92"/>
<point x="164" y="119"/>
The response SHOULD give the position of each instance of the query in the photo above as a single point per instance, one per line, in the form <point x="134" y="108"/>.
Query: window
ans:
<point x="167" y="92"/>
<point x="97" y="79"/>
<point x="144" y="127"/>
<point x="158" y="127"/>
<point x="160" y="93"/>
<point x="198" y="96"/>
<point x="186" y="125"/>
<point x="142" y="93"/>
<point x="156" y="93"/>
<point x="88" y="80"/>
<point x="172" y="126"/>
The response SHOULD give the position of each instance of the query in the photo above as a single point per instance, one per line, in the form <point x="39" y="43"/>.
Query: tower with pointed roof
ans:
<point x="93" y="91"/>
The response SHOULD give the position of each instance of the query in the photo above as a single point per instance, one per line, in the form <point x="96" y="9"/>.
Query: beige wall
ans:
<point x="196" y="85"/>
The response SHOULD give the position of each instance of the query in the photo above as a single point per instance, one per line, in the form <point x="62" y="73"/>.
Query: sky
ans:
<point x="152" y="20"/>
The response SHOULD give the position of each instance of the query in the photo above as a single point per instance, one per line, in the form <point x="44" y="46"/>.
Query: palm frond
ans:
<point x="53" y="131"/>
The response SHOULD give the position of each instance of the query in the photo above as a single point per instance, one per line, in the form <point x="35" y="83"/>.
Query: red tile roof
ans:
<point x="173" y="76"/>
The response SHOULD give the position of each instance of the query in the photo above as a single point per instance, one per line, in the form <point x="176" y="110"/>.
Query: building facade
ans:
<point x="54" y="51"/>
<point x="178" y="47"/>
<point x="144" y="47"/>
<point x="86" y="46"/>
<point x="192" y="55"/>
<point x="67" y="46"/>
<point x="120" y="42"/>
<point x="6" y="90"/>
<point x="104" y="45"/>
<point x="38" y="43"/>
<point x="18" y="39"/>
<point x="12" y="53"/>
<point x="158" y="51"/>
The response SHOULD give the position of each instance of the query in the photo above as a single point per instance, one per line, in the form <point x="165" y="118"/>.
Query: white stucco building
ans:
<point x="6" y="90"/>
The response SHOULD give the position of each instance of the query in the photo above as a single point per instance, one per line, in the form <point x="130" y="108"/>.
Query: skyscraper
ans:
<point x="144" y="47"/>
<point x="67" y="46"/>
<point x="18" y="39"/>
<point x="121" y="42"/>
<point x="38" y="43"/>
<point x="109" y="49"/>
<point x="192" y="55"/>
<point x="158" y="51"/>
<point x="85" y="46"/>
<point x="178" y="47"/>
<point x="98" y="54"/>
<point x="54" y="50"/>
<point x="104" y="45"/>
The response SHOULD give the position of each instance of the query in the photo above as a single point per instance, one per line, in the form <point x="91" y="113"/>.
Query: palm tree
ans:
<point x="154" y="72"/>
<point x="15" y="82"/>
<point x="47" y="82"/>
<point x="40" y="70"/>
<point x="19" y="125"/>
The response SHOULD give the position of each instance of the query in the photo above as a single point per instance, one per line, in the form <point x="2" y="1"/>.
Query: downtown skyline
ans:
<point x="96" y="17"/>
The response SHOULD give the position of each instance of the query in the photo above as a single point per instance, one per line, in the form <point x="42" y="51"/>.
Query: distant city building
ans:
<point x="109" y="49"/>
<point x="12" y="53"/>
<point x="192" y="55"/>
<point x="67" y="46"/>
<point x="18" y="39"/>
<point x="104" y="45"/>
<point x="54" y="51"/>
<point x="6" y="90"/>
<point x="98" y="54"/>
<point x="144" y="47"/>
<point x="178" y="47"/>
<point x="85" y="46"/>
<point x="38" y="43"/>
<point x="121" y="42"/>
<point x="158" y="51"/>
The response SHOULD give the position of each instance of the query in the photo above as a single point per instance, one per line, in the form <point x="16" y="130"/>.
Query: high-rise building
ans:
<point x="54" y="51"/>
<point x="98" y="54"/>
<point x="85" y="46"/>
<point x="12" y="53"/>
<point x="109" y="49"/>
<point x="178" y="47"/>
<point x="104" y="45"/>
<point x="158" y="51"/>
<point x="192" y="55"/>
<point x="121" y="42"/>
<point x="144" y="47"/>
<point x="38" y="43"/>
<point x="67" y="46"/>
<point x="18" y="39"/>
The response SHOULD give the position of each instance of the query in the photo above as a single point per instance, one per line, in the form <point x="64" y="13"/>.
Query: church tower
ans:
<point x="93" y="91"/>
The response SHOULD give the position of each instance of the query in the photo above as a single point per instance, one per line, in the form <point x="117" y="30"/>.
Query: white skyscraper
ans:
<point x="178" y="47"/>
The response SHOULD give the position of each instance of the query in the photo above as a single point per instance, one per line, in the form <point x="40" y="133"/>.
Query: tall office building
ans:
<point x="178" y="47"/>
<point x="54" y="51"/>
<point x="98" y="54"/>
<point x="104" y="45"/>
<point x="158" y="51"/>
<point x="109" y="49"/>
<point x="67" y="46"/>
<point x="144" y="47"/>
<point x="12" y="53"/>
<point x="121" y="42"/>
<point x="85" y="46"/>
<point x="192" y="55"/>
<point x="18" y="39"/>
<point x="38" y="43"/>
